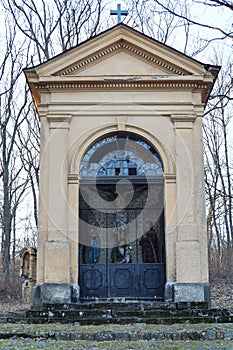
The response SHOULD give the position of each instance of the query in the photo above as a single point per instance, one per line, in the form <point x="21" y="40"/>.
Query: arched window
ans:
<point x="121" y="155"/>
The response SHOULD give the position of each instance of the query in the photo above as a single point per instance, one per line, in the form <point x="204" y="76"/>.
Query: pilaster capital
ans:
<point x="59" y="121"/>
<point x="183" y="121"/>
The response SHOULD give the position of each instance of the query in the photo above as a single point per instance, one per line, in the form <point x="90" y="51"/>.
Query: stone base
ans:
<point x="55" y="293"/>
<point x="188" y="292"/>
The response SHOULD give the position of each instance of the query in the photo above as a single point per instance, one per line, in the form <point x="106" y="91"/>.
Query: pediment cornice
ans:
<point x="119" y="85"/>
<point x="127" y="85"/>
<point x="121" y="46"/>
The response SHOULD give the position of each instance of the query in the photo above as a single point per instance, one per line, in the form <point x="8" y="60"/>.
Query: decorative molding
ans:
<point x="121" y="122"/>
<point x="57" y="121"/>
<point x="183" y="121"/>
<point x="126" y="47"/>
<point x="73" y="179"/>
<point x="183" y="117"/>
<point x="169" y="178"/>
<point x="59" y="118"/>
<point x="57" y="125"/>
<point x="120" y="85"/>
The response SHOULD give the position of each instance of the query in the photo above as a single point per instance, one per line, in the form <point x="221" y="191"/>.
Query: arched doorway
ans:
<point x="121" y="220"/>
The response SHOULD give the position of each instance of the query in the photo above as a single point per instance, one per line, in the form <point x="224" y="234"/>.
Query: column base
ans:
<point x="188" y="293"/>
<point x="55" y="293"/>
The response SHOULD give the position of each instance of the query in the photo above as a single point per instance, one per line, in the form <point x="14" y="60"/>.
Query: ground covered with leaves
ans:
<point x="222" y="295"/>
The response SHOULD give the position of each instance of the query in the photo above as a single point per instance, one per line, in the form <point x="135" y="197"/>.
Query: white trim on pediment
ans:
<point x="120" y="38"/>
<point x="128" y="48"/>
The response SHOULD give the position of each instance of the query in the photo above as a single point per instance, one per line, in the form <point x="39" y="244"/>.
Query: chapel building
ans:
<point x="122" y="200"/>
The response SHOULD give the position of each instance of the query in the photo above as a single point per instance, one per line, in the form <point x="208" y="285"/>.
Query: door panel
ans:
<point x="93" y="281"/>
<point x="152" y="277"/>
<point x="122" y="280"/>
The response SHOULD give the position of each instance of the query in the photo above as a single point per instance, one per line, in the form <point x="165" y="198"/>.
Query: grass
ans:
<point x="35" y="336"/>
<point x="26" y="344"/>
<point x="35" y="329"/>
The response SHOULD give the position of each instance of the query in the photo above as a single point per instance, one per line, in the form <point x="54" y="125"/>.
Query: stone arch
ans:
<point x="81" y="146"/>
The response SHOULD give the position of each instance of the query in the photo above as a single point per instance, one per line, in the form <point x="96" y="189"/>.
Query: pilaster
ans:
<point x="73" y="224"/>
<point x="188" y="215"/>
<point x="57" y="245"/>
<point x="170" y="200"/>
<point x="58" y="169"/>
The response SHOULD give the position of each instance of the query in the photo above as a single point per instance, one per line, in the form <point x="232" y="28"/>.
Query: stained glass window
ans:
<point x="121" y="155"/>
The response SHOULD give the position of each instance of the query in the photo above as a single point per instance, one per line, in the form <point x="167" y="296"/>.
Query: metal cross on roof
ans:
<point x="119" y="13"/>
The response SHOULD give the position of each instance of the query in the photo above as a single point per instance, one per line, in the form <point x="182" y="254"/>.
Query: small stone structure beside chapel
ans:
<point x="121" y="107"/>
<point x="28" y="256"/>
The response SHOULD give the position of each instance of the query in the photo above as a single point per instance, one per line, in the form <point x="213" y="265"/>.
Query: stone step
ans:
<point x="121" y="313"/>
<point x="127" y="305"/>
<point x="120" y="321"/>
<point x="94" y="313"/>
<point x="107" y="316"/>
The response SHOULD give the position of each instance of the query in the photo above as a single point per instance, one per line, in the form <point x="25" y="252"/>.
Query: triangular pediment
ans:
<point x="123" y="51"/>
<point x="121" y="63"/>
<point x="121" y="58"/>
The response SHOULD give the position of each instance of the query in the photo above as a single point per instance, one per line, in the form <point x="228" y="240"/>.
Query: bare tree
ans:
<point x="28" y="145"/>
<point x="218" y="169"/>
<point x="13" y="112"/>
<point x="218" y="3"/>
<point x="147" y="17"/>
<point x="219" y="28"/>
<point x="57" y="25"/>
<point x="35" y="30"/>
